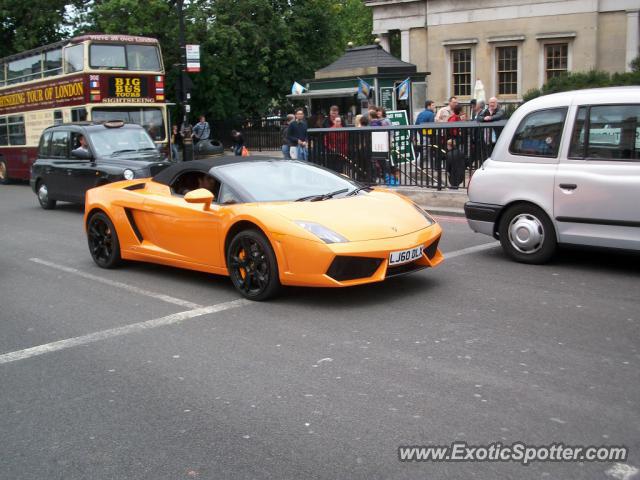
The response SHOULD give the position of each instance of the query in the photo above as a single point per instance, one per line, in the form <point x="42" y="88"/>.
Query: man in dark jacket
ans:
<point x="297" y="135"/>
<point x="493" y="113"/>
<point x="455" y="165"/>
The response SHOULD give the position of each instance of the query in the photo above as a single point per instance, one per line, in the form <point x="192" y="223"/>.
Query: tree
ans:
<point x="26" y="25"/>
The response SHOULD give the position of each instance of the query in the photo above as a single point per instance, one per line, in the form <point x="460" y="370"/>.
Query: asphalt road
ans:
<point x="320" y="384"/>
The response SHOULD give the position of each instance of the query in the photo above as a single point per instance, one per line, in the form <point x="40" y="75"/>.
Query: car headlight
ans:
<point x="428" y="218"/>
<point x="323" y="233"/>
<point x="128" y="174"/>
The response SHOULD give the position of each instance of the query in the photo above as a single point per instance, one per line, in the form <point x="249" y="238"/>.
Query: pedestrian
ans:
<point x="455" y="165"/>
<point x="297" y="136"/>
<point x="427" y="115"/>
<point x="382" y="116"/>
<point x="283" y="134"/>
<point x="334" y="112"/>
<point x="456" y="116"/>
<point x="238" y="142"/>
<point x="476" y="109"/>
<point x="362" y="120"/>
<point x="374" y="121"/>
<point x="176" y="143"/>
<point x="493" y="113"/>
<point x="201" y="131"/>
<point x="445" y="112"/>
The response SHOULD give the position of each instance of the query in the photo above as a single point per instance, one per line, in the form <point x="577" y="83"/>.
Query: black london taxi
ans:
<point x="74" y="157"/>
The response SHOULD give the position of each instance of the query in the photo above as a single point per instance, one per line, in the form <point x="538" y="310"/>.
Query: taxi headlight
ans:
<point x="428" y="218"/>
<point x="128" y="174"/>
<point x="323" y="233"/>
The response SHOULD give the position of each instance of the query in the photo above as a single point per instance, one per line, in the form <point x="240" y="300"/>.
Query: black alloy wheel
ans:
<point x="45" y="200"/>
<point x="4" y="176"/>
<point x="103" y="241"/>
<point x="252" y="265"/>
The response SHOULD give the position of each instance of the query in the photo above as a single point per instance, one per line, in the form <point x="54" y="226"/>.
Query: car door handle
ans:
<point x="568" y="186"/>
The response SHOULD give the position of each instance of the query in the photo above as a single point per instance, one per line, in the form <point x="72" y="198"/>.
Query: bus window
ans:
<point x="143" y="57"/>
<point x="53" y="62"/>
<point x="2" y="77"/>
<point x="25" y="69"/>
<point x="107" y="56"/>
<point x="73" y="58"/>
<point x="4" y="133"/>
<point x="16" y="130"/>
<point x="150" y="118"/>
<point x="78" y="114"/>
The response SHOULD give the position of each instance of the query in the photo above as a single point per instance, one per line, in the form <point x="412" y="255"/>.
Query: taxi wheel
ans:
<point x="44" y="199"/>
<point x="527" y="234"/>
<point x="104" y="245"/>
<point x="4" y="176"/>
<point x="252" y="265"/>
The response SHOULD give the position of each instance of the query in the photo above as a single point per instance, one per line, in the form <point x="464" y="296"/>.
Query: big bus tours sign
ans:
<point x="80" y="89"/>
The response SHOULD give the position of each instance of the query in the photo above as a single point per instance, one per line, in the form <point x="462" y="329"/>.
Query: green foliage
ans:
<point x="251" y="50"/>
<point x="26" y="25"/>
<point x="581" y="80"/>
<point x="635" y="64"/>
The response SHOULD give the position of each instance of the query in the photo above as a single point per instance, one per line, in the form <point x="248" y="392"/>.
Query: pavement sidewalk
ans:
<point x="446" y="202"/>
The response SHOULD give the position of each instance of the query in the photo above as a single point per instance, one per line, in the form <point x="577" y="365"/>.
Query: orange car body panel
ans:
<point x="155" y="226"/>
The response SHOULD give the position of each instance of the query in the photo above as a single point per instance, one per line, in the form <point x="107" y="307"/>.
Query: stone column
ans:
<point x="633" y="37"/>
<point x="384" y="41"/>
<point x="405" y="45"/>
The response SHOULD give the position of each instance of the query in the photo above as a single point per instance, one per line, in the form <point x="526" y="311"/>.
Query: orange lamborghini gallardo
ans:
<point x="263" y="222"/>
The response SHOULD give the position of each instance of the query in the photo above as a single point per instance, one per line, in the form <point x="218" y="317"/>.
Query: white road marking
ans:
<point x="466" y="251"/>
<point x="113" y="283"/>
<point x="118" y="331"/>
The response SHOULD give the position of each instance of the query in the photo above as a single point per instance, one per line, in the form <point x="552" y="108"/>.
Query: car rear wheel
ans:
<point x="44" y="199"/>
<point x="104" y="245"/>
<point x="527" y="234"/>
<point x="4" y="176"/>
<point x="252" y="265"/>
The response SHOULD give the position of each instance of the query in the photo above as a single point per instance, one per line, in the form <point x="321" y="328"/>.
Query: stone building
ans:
<point x="511" y="45"/>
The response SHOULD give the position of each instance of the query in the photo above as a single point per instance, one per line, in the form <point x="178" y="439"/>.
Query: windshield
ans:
<point x="125" y="141"/>
<point x="125" y="57"/>
<point x="150" y="119"/>
<point x="282" y="180"/>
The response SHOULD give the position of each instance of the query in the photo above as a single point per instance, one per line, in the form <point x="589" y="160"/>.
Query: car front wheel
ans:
<point x="527" y="234"/>
<point x="252" y="265"/>
<point x="104" y="245"/>
<point x="44" y="199"/>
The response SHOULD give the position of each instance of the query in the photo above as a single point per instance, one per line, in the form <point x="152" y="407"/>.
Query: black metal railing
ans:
<point x="433" y="155"/>
<point x="259" y="134"/>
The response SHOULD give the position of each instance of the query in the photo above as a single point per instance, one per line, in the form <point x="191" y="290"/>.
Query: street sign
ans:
<point x="387" y="98"/>
<point x="193" y="58"/>
<point x="401" y="146"/>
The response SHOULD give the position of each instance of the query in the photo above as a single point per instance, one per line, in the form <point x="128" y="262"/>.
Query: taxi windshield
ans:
<point x="111" y="142"/>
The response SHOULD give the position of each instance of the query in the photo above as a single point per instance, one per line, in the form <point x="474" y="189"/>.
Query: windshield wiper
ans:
<point x="147" y="148"/>
<point x="322" y="196"/>
<point x="126" y="150"/>
<point x="359" y="189"/>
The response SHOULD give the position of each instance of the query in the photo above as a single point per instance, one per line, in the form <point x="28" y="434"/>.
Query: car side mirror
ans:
<point x="200" y="195"/>
<point x="81" y="154"/>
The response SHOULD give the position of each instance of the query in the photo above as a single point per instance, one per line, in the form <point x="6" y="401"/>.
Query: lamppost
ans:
<point x="184" y="88"/>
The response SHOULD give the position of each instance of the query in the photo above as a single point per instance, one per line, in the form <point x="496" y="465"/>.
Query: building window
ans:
<point x="395" y="43"/>
<point x="461" y="71"/>
<point x="556" y="55"/>
<point x="507" y="62"/>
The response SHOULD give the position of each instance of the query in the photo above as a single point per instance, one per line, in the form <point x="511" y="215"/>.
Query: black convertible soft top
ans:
<point x="168" y="175"/>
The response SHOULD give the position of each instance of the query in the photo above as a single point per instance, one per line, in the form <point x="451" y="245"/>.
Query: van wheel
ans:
<point x="252" y="265"/>
<point x="4" y="176"/>
<point x="45" y="200"/>
<point x="527" y="234"/>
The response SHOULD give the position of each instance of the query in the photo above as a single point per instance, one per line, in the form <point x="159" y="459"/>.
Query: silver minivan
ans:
<point x="565" y="170"/>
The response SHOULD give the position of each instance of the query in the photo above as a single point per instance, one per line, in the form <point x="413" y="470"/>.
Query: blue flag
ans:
<point x="403" y="89"/>
<point x="363" y="87"/>
<point x="297" y="89"/>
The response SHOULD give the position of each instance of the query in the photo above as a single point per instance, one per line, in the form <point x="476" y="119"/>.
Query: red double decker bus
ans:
<point x="94" y="77"/>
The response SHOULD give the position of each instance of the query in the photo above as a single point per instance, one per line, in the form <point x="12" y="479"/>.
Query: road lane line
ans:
<point x="466" y="251"/>
<point x="118" y="331"/>
<point x="113" y="283"/>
